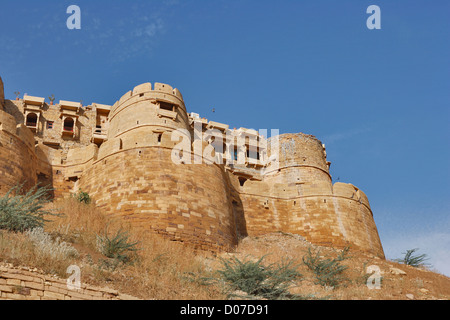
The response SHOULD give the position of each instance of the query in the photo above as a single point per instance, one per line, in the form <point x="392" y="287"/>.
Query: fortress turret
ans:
<point x="299" y="160"/>
<point x="145" y="116"/>
<point x="158" y="109"/>
<point x="135" y="178"/>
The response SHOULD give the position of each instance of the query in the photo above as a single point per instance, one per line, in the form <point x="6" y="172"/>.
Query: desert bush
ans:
<point x="118" y="246"/>
<point x="413" y="260"/>
<point x="20" y="211"/>
<point x="327" y="271"/>
<point x="82" y="197"/>
<point x="47" y="247"/>
<point x="252" y="280"/>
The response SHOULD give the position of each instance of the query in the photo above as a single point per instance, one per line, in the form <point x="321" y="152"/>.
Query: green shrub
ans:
<point x="327" y="271"/>
<point x="83" y="197"/>
<point x="117" y="246"/>
<point x="20" y="211"/>
<point x="413" y="260"/>
<point x="255" y="280"/>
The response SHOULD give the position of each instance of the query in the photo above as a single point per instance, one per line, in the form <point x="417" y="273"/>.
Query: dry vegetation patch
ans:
<point x="157" y="268"/>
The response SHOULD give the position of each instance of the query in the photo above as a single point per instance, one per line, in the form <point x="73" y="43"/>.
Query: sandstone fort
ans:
<point x="122" y="155"/>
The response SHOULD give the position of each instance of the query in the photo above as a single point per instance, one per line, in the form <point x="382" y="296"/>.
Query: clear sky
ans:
<point x="378" y="99"/>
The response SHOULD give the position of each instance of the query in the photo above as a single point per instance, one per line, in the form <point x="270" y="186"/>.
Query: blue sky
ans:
<point x="378" y="99"/>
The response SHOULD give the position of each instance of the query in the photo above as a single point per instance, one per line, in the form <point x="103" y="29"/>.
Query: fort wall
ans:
<point x="17" y="156"/>
<point x="184" y="202"/>
<point x="336" y="219"/>
<point x="122" y="156"/>
<point x="188" y="203"/>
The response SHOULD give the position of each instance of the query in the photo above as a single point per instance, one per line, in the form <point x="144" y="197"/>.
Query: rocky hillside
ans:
<point x="397" y="282"/>
<point x="146" y="266"/>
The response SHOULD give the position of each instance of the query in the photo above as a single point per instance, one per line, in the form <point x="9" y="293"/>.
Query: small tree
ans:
<point x="17" y="93"/>
<point x="413" y="260"/>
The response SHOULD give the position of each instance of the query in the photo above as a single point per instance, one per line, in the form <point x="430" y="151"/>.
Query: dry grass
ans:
<point x="19" y="249"/>
<point x="168" y="270"/>
<point x="421" y="283"/>
<point x="163" y="270"/>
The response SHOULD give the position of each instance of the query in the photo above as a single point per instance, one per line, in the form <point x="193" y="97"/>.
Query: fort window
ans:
<point x="242" y="181"/>
<point x="68" y="124"/>
<point x="50" y="124"/>
<point x="166" y="106"/>
<point x="68" y="127"/>
<point x="159" y="137"/>
<point x="32" y="119"/>
<point x="218" y="145"/>
<point x="253" y="154"/>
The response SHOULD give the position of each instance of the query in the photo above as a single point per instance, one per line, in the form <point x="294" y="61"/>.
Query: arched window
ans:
<point x="32" y="119"/>
<point x="68" y="124"/>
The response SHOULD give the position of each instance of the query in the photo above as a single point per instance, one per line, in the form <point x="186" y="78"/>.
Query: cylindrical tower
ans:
<point x="134" y="176"/>
<point x="159" y="109"/>
<point x="297" y="196"/>
<point x="299" y="159"/>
